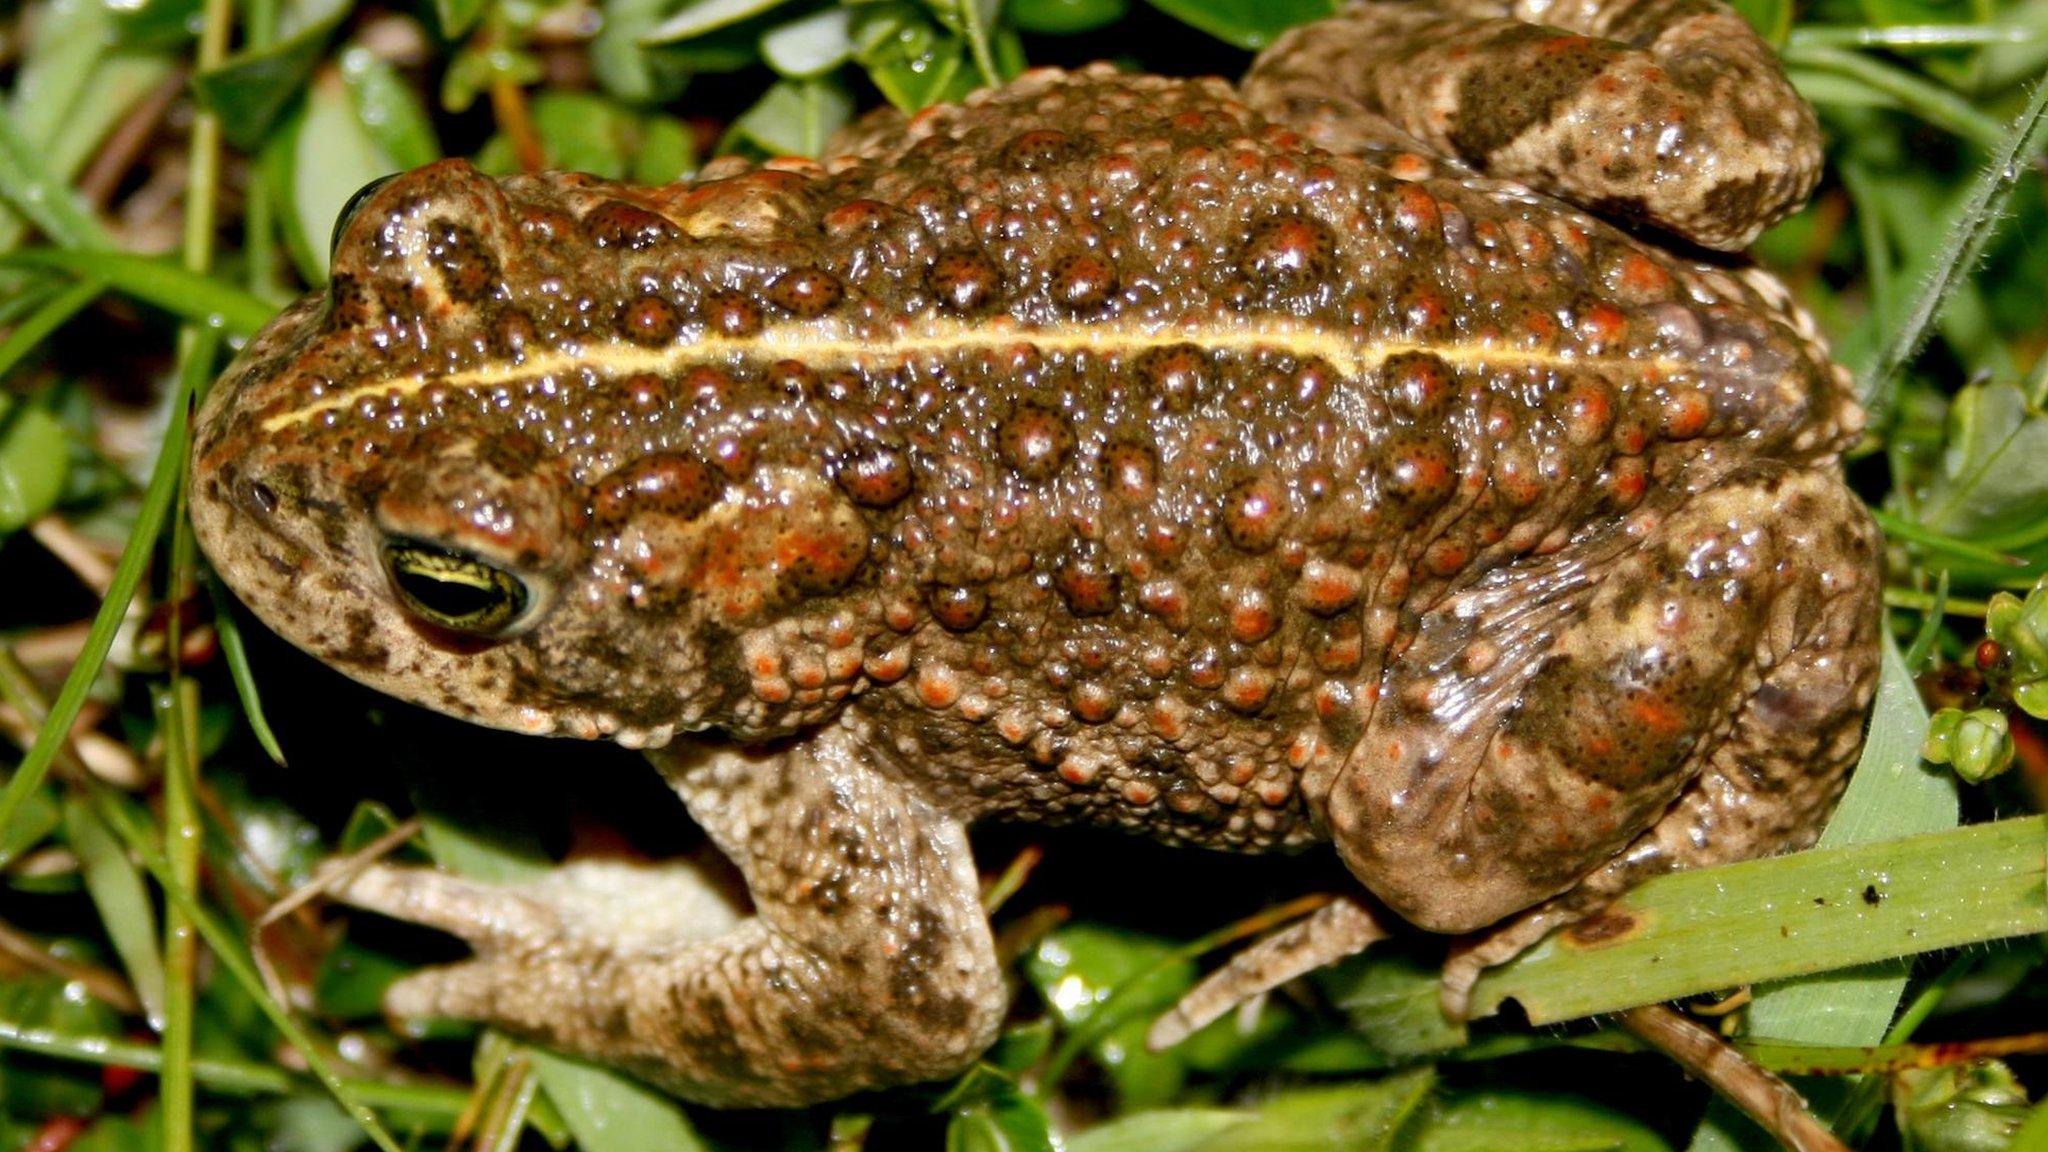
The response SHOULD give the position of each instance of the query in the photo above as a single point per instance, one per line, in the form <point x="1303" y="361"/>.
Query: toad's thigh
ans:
<point x="1543" y="720"/>
<point x="1672" y="113"/>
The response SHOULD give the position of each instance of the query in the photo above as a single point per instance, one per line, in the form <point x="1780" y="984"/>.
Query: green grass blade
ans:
<point x="1702" y="931"/>
<point x="1931" y="102"/>
<point x="236" y="651"/>
<point x="201" y="300"/>
<point x="1908" y="37"/>
<point x="121" y="899"/>
<point x="128" y="573"/>
<point x="233" y="1077"/>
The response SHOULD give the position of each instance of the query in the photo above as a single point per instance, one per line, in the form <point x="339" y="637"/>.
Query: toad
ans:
<point x="1382" y="452"/>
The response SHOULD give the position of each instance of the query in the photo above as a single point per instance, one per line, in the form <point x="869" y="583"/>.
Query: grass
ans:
<point x="149" y="224"/>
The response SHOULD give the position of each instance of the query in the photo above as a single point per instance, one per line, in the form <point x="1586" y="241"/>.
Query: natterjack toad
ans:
<point x="1248" y="467"/>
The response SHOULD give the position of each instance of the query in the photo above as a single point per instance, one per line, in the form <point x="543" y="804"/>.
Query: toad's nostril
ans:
<point x="262" y="497"/>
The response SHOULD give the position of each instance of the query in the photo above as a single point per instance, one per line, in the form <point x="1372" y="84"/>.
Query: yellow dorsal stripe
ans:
<point x="825" y="350"/>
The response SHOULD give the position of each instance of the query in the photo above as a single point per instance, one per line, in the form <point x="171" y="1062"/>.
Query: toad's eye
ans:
<point x="455" y="591"/>
<point x="348" y="210"/>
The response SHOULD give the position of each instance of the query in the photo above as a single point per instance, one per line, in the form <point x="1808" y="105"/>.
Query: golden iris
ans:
<point x="454" y="590"/>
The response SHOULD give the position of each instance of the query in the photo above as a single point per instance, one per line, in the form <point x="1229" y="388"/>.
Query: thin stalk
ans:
<point x="176" y="706"/>
<point x="178" y="710"/>
<point x="1912" y="532"/>
<point x="30" y="333"/>
<point x="1982" y="210"/>
<point x="1912" y="599"/>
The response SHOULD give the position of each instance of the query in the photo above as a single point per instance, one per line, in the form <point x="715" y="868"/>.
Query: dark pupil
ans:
<point x="453" y="599"/>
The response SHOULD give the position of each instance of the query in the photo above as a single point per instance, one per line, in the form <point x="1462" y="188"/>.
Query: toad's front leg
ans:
<point x="868" y="960"/>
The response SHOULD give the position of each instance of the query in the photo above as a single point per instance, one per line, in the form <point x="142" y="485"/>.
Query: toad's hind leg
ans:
<point x="868" y="960"/>
<point x="1554" y="732"/>
<point x="1671" y="113"/>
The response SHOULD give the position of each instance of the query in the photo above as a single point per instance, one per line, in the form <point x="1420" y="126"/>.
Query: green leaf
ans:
<point x="1891" y="794"/>
<point x="697" y="17"/>
<point x="1991" y="478"/>
<point x="629" y="68"/>
<point x="1976" y="1107"/>
<point x="1064" y="17"/>
<point x="1388" y="996"/>
<point x="482" y="63"/>
<point x="324" y="155"/>
<point x="1364" y="1116"/>
<point x="189" y="295"/>
<point x="1177" y="1130"/>
<point x="63" y="48"/>
<point x="477" y="848"/>
<point x="1877" y="80"/>
<point x="1249" y="24"/>
<point x="1771" y="18"/>
<point x="457" y="17"/>
<point x="35" y="456"/>
<point x="390" y="113"/>
<point x="810" y="45"/>
<point x="155" y="23"/>
<point x="796" y="117"/>
<point x="252" y="89"/>
<point x="609" y="1113"/>
<point x="1020" y="1047"/>
<point x="309" y="1122"/>
<point x="1008" y="1121"/>
<point x="2032" y="1135"/>
<point x="667" y="152"/>
<point x="1083" y="970"/>
<point x="1510" y="1121"/>
<point x="122" y="901"/>
<point x="914" y="62"/>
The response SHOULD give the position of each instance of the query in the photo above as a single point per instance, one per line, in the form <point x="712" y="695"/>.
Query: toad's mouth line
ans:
<point x="1349" y="354"/>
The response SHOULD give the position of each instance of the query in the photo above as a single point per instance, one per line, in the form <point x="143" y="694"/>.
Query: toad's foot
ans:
<point x="868" y="961"/>
<point x="1343" y="927"/>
